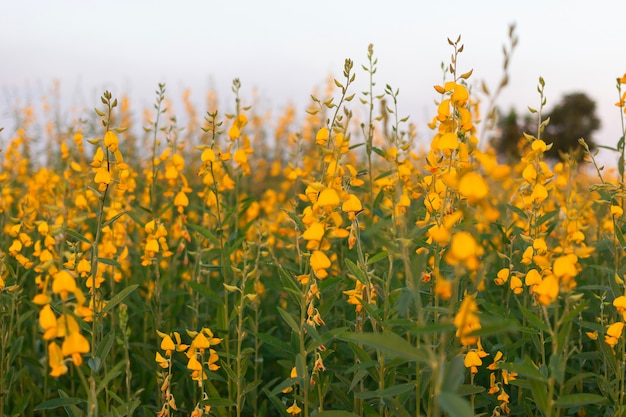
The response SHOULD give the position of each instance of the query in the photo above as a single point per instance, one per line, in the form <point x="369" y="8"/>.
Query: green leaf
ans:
<point x="547" y="216"/>
<point x="389" y="343"/>
<point x="118" y="298"/>
<point x="297" y="220"/>
<point x="218" y="402"/>
<point x="454" y="404"/>
<point x="114" y="218"/>
<point x="336" y="413"/>
<point x="378" y="151"/>
<point x="207" y="234"/>
<point x="109" y="261"/>
<point x="289" y="320"/>
<point x="379" y="256"/>
<point x="78" y="236"/>
<point x="454" y="374"/>
<point x="467" y="389"/>
<point x="517" y="211"/>
<point x="540" y="395"/>
<point x="535" y="321"/>
<point x="497" y="327"/>
<point x="58" y="402"/>
<point x="387" y="392"/>
<point x="576" y="400"/>
<point x="205" y="291"/>
<point x="527" y="369"/>
<point x="557" y="369"/>
<point x="356" y="271"/>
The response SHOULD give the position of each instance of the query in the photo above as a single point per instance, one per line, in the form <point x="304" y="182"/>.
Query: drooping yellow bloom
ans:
<point x="564" y="267"/>
<point x="163" y="362"/>
<point x="322" y="136"/>
<point x="181" y="200"/>
<point x="56" y="360"/>
<point x="502" y="277"/>
<point x="319" y="263"/>
<point x="352" y="206"/>
<point x="294" y="409"/>
<point x="613" y="333"/>
<point x="547" y="290"/>
<point x="516" y="285"/>
<point x="328" y="198"/>
<point x="620" y="304"/>
<point x="466" y="321"/>
<point x="74" y="345"/>
<point x="111" y="140"/>
<point x="448" y="141"/>
<point x="63" y="283"/>
<point x="315" y="232"/>
<point x="473" y="187"/>
<point x="48" y="322"/>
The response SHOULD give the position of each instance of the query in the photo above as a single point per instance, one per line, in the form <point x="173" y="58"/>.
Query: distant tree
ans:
<point x="509" y="139"/>
<point x="574" y="117"/>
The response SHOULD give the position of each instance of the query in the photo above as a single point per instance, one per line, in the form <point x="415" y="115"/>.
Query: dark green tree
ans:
<point x="509" y="136"/>
<point x="574" y="117"/>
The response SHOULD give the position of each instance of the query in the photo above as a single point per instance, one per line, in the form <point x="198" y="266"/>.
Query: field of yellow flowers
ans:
<point x="333" y="269"/>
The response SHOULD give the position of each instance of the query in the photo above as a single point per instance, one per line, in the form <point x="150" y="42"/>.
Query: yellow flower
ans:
<point x="540" y="246"/>
<point x="103" y="176"/>
<point x="200" y="342"/>
<point x="212" y="362"/>
<point x="529" y="174"/>
<point x="315" y="232"/>
<point x="234" y="132"/>
<point x="208" y="155"/>
<point x="448" y="141"/>
<point x="56" y="360"/>
<point x="328" y="198"/>
<point x="319" y="263"/>
<point x="83" y="268"/>
<point x="565" y="266"/>
<point x="502" y="277"/>
<point x="152" y="246"/>
<point x="322" y="136"/>
<point x="466" y="321"/>
<point x="613" y="333"/>
<point x="472" y="359"/>
<point x="473" y="187"/>
<point x="516" y="285"/>
<point x="539" y="146"/>
<point x="193" y="363"/>
<point x="181" y="200"/>
<point x="167" y="344"/>
<point x="74" y="345"/>
<point x="439" y="233"/>
<point x="352" y="206"/>
<point x="460" y="95"/>
<point x="620" y="304"/>
<point x="443" y="288"/>
<point x="294" y="409"/>
<point x="547" y="290"/>
<point x="111" y="140"/>
<point x="48" y="322"/>
<point x="63" y="283"/>
<point x="616" y="211"/>
<point x="163" y="363"/>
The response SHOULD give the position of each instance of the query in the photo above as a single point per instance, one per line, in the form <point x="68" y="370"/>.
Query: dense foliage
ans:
<point x="332" y="269"/>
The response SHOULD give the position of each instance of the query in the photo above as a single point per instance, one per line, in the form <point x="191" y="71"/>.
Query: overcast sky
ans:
<point x="285" y="49"/>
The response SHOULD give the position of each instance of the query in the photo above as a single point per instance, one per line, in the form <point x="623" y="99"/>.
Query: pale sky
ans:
<point x="284" y="49"/>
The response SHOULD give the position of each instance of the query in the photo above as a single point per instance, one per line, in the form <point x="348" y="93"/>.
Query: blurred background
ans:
<point x="283" y="50"/>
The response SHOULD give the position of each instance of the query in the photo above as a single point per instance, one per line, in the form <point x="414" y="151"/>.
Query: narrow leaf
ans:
<point x="118" y="298"/>
<point x="390" y="343"/>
